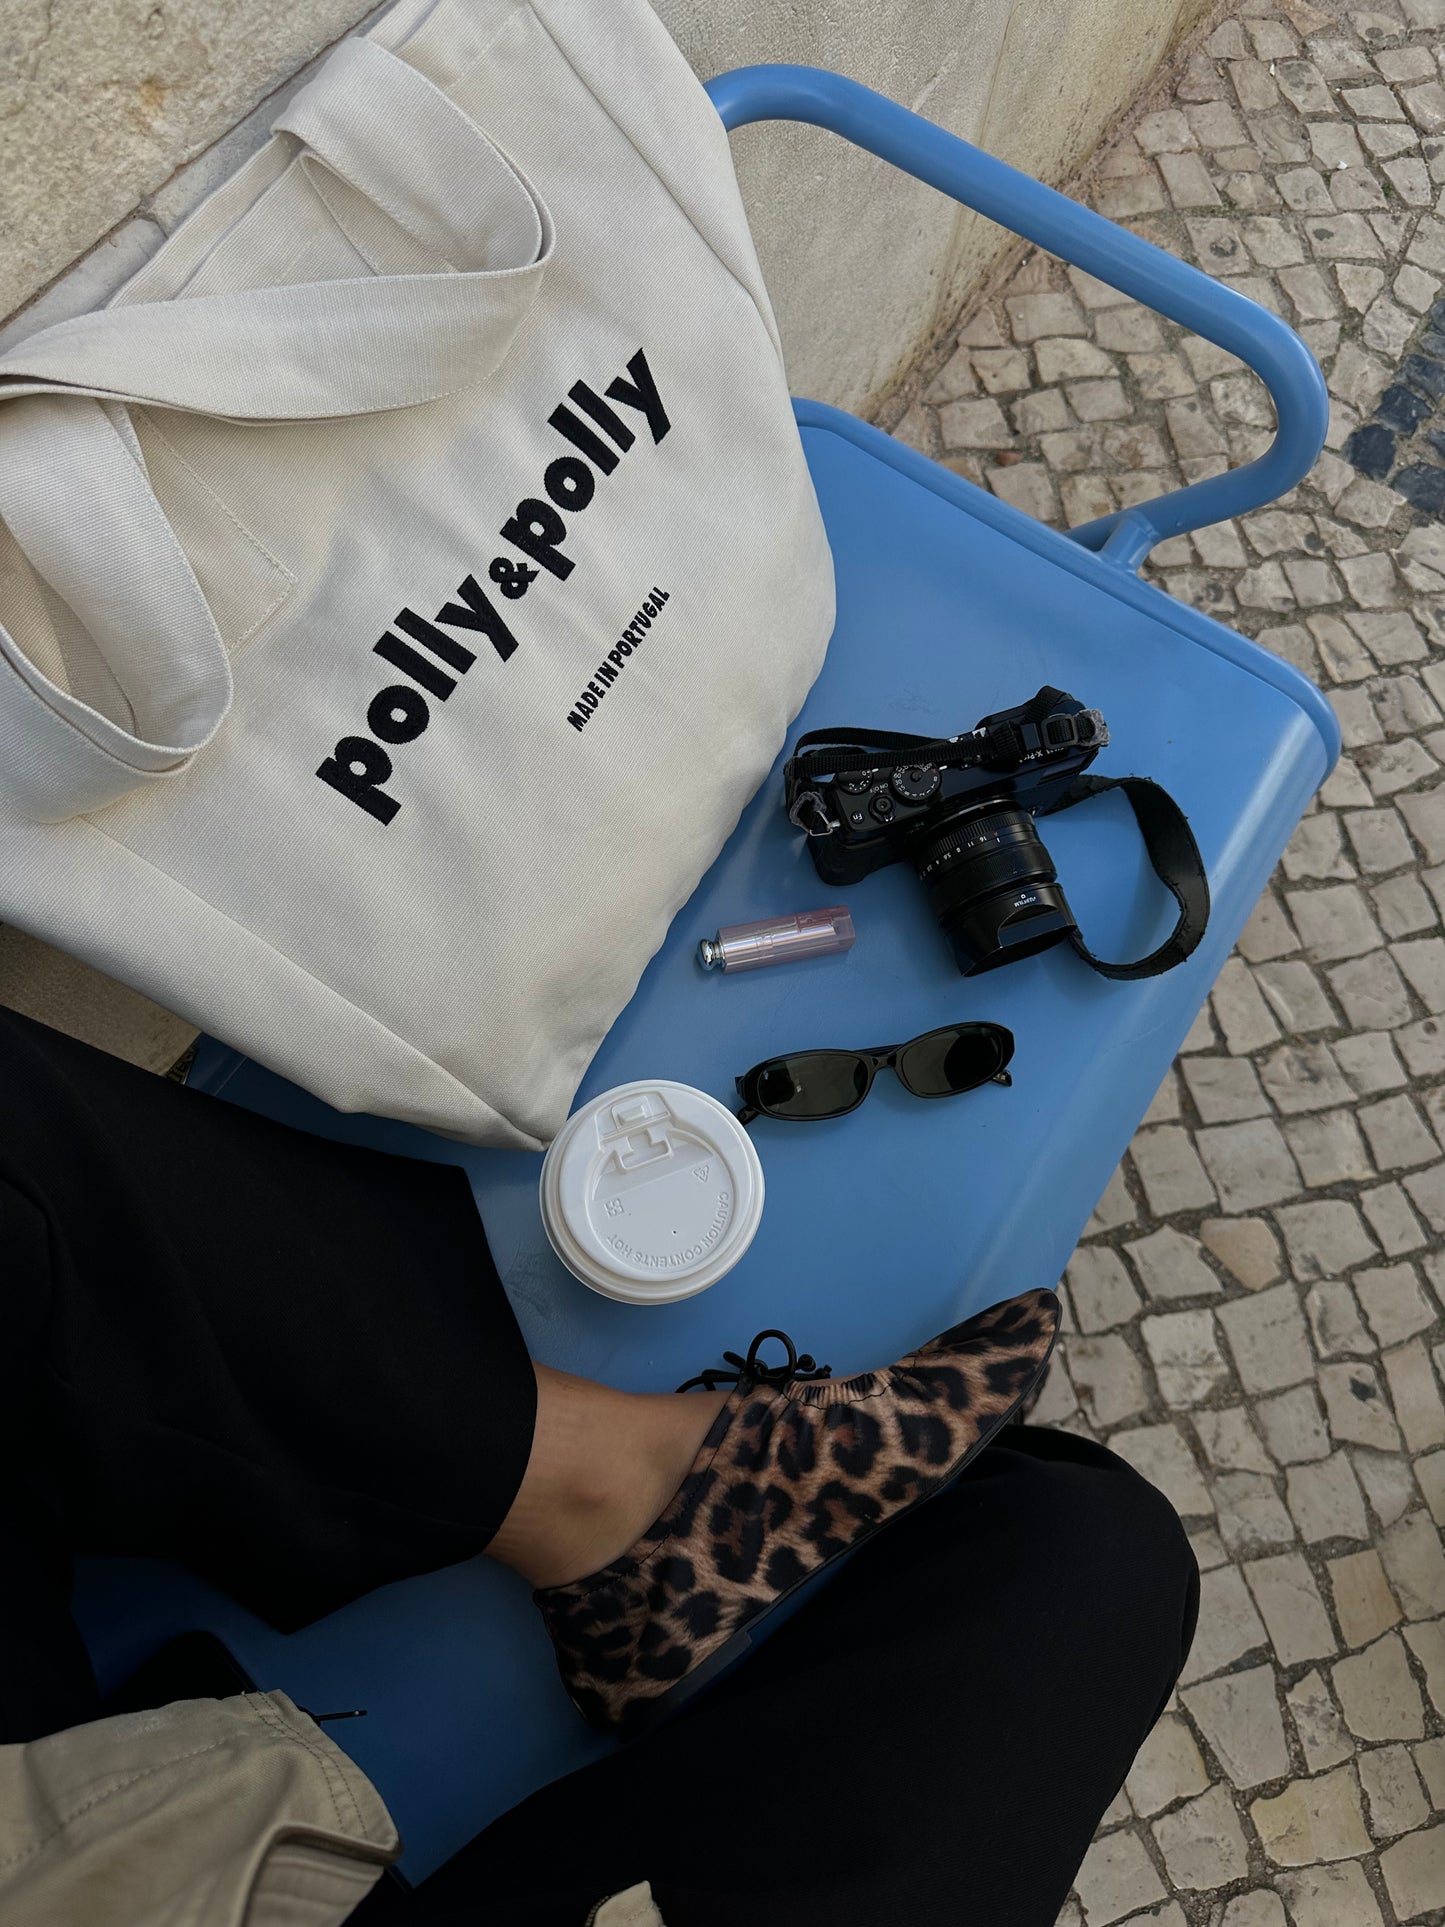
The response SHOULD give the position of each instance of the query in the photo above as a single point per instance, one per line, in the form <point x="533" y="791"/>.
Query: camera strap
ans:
<point x="842" y="752"/>
<point x="1172" y="851"/>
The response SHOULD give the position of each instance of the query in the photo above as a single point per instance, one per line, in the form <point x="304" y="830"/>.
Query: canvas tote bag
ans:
<point x="407" y="579"/>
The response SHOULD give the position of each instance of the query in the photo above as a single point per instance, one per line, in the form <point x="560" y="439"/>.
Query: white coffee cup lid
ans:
<point x="651" y="1192"/>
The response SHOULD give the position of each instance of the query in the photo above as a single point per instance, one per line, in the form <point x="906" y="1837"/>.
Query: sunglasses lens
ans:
<point x="819" y="1083"/>
<point x="948" y="1061"/>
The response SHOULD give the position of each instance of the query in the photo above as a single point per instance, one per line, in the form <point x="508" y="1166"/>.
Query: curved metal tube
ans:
<point x="1110" y="253"/>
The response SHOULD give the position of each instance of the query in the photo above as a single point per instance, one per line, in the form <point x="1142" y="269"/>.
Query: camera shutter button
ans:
<point x="882" y="807"/>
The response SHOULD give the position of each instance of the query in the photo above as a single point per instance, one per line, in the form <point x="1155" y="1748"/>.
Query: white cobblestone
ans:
<point x="1304" y="1077"/>
<point x="1202" y="1842"/>
<point x="1166" y="1769"/>
<point x="1325" y="1236"/>
<point x="1100" y="1289"/>
<point x="1229" y="1625"/>
<point x="1388" y="1483"/>
<point x="1427" y="1643"/>
<point x="1427" y="1194"/>
<point x="1333" y="923"/>
<point x="1241" y="1011"/>
<point x="1369" y="1062"/>
<point x="1170" y="1266"/>
<point x="1413" y="1558"/>
<point x="1252" y="1517"/>
<point x="1250" y="1164"/>
<point x="1230" y="1442"/>
<point x="1266" y="1335"/>
<point x="1257" y="1314"/>
<point x="1170" y="1171"/>
<point x="1117" y="1878"/>
<point x="1288" y="1598"/>
<point x="1395" y="1801"/>
<point x="1295" y="995"/>
<point x="1429" y="1758"/>
<point x="1246" y="1247"/>
<point x="1415" y="1395"/>
<point x="1323" y="1737"/>
<point x="1313" y="1820"/>
<point x="1328" y="1148"/>
<point x="1399" y="1137"/>
<point x="1423" y="962"/>
<point x="1364" y="1605"/>
<point x="1162" y="1455"/>
<point x="1184" y="1347"/>
<point x="1377" y="1692"/>
<point x="1325" y="1500"/>
<point x="1258" y="1908"/>
<point x="1293" y="1426"/>
<point x="1357" y="1409"/>
<point x="1334" y="1315"/>
<point x="1239" y="1715"/>
<point x="974" y="424"/>
<point x="1372" y="992"/>
<point x="1045" y="313"/>
<point x="1108" y="1376"/>
<point x="1394" y="1302"/>
<point x="1337" y="1895"/>
<point x="1414" y="1872"/>
<point x="1430" y="1473"/>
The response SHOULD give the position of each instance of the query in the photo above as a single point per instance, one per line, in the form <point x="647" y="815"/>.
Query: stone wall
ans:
<point x="100" y="106"/>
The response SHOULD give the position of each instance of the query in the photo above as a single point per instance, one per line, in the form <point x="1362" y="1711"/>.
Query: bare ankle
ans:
<point x="604" y="1465"/>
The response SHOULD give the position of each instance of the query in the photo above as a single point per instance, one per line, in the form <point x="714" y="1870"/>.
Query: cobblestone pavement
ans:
<point x="1255" y="1310"/>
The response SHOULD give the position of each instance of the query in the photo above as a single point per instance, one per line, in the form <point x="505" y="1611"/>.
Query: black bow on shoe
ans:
<point x="752" y="1371"/>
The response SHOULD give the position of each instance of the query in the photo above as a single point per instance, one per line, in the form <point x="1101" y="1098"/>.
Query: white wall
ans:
<point x="862" y="263"/>
<point x="101" y="104"/>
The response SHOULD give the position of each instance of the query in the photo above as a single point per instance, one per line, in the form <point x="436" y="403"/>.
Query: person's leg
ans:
<point x="291" y="1364"/>
<point x="603" y="1466"/>
<point x="46" y="1680"/>
<point x="288" y="1362"/>
<point x="933" y="1738"/>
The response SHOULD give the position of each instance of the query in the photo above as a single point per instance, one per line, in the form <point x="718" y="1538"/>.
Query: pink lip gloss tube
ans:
<point x="773" y="940"/>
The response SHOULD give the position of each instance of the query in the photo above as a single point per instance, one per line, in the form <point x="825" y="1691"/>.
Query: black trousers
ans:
<point x="183" y="1289"/>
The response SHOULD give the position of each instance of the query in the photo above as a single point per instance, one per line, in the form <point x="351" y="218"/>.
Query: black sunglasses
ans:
<point x="814" y="1084"/>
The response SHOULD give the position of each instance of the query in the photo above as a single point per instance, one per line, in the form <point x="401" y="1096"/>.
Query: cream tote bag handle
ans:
<point x="73" y="487"/>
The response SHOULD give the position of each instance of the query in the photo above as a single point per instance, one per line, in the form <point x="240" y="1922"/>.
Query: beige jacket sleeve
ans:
<point x="635" y="1908"/>
<point x="208" y="1813"/>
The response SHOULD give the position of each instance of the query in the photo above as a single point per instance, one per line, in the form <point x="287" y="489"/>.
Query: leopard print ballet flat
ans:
<point x="797" y="1470"/>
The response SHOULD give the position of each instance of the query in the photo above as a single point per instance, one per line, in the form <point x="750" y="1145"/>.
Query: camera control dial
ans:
<point x="916" y="783"/>
<point x="856" y="782"/>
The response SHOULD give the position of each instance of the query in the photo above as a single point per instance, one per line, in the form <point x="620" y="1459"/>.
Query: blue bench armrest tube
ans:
<point x="1108" y="252"/>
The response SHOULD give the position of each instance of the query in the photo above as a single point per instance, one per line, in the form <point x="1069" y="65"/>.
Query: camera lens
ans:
<point x="992" y="886"/>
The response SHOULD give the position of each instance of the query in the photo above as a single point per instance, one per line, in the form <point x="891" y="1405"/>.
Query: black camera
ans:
<point x="961" y="810"/>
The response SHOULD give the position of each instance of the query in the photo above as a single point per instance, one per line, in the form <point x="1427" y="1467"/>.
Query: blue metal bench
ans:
<point x="886" y="1226"/>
